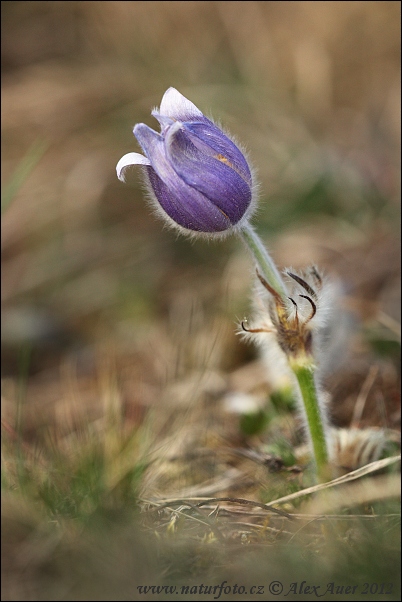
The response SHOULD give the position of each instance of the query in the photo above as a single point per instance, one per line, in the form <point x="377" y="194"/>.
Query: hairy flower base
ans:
<point x="293" y="330"/>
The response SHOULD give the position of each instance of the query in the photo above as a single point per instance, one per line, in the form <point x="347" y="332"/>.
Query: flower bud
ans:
<point x="196" y="176"/>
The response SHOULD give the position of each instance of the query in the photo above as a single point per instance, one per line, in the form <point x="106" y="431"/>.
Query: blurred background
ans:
<point x="311" y="89"/>
<point x="97" y="295"/>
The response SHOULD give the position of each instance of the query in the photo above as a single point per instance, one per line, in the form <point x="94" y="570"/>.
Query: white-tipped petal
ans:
<point x="178" y="107"/>
<point x="130" y="159"/>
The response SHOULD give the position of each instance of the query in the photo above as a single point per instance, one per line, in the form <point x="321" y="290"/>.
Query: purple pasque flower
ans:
<point x="194" y="173"/>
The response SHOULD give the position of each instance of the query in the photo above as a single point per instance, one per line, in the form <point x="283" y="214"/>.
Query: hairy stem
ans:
<point x="304" y="373"/>
<point x="264" y="261"/>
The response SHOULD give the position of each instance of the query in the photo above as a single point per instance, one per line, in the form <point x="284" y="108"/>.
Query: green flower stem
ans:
<point x="264" y="261"/>
<point x="301" y="365"/>
<point x="304" y="372"/>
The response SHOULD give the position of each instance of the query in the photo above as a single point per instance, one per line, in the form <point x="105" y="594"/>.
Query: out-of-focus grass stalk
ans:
<point x="22" y="172"/>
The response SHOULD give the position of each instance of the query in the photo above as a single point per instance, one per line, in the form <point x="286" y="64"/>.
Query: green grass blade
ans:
<point x="22" y="172"/>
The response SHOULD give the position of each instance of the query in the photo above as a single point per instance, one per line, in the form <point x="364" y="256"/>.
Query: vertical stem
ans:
<point x="264" y="261"/>
<point x="304" y="373"/>
<point x="302" y="366"/>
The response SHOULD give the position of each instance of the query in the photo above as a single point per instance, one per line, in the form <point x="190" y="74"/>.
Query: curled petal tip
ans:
<point x="177" y="106"/>
<point x="127" y="160"/>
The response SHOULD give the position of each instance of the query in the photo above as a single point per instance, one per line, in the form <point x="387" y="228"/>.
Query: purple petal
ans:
<point x="184" y="204"/>
<point x="186" y="210"/>
<point x="164" y="121"/>
<point x="208" y="136"/>
<point x="211" y="175"/>
<point x="153" y="146"/>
